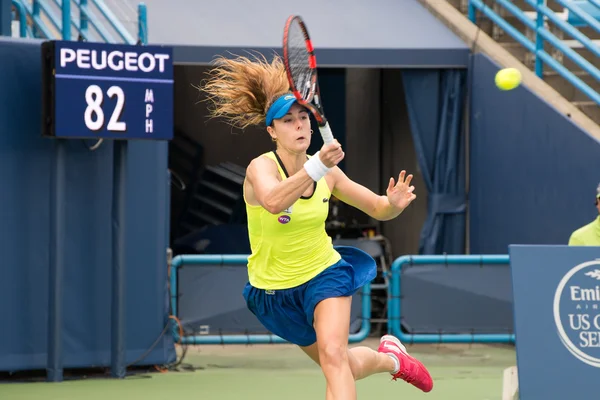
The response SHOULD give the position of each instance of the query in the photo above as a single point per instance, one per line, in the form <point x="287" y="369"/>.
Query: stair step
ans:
<point x="517" y="50"/>
<point x="227" y="174"/>
<point x="186" y="227"/>
<point x="214" y="204"/>
<point x="458" y="4"/>
<point x="567" y="90"/>
<point x="228" y="193"/>
<point x="586" y="54"/>
<point x="181" y="139"/>
<point x="589" y="108"/>
<point x="236" y="169"/>
<point x="576" y="44"/>
<point x="183" y="149"/>
<point x="204" y="217"/>
<point x="182" y="162"/>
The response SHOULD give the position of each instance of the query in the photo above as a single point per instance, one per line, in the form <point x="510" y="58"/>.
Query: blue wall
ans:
<point x="25" y="163"/>
<point x="533" y="173"/>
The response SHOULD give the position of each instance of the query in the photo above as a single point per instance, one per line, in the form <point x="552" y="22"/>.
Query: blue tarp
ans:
<point x="435" y="101"/>
<point x="25" y="235"/>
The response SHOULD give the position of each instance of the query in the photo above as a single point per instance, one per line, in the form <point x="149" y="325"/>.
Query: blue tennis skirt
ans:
<point x="288" y="313"/>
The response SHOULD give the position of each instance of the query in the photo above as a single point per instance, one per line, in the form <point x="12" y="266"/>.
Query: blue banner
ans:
<point x="556" y="293"/>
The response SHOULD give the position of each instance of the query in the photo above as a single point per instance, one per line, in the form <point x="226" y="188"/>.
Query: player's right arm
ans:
<point x="273" y="194"/>
<point x="276" y="195"/>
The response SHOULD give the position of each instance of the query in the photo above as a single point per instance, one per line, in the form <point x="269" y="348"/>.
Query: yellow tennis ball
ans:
<point x="508" y="78"/>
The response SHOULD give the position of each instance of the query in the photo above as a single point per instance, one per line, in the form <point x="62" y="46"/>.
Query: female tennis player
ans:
<point x="300" y="286"/>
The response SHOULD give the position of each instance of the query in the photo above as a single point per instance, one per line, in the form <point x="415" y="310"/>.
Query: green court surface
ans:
<point x="274" y="372"/>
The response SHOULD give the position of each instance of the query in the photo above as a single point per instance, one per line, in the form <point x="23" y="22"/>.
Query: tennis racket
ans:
<point x="301" y="68"/>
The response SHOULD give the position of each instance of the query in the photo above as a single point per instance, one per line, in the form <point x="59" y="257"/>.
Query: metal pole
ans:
<point x="142" y="24"/>
<point x="54" y="366"/>
<point x="83" y="16"/>
<point x="539" y="40"/>
<point x="118" y="259"/>
<point x="5" y="17"/>
<point x="66" y="19"/>
<point x="472" y="12"/>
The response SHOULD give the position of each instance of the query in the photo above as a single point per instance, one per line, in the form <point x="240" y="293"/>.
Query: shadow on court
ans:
<point x="265" y="372"/>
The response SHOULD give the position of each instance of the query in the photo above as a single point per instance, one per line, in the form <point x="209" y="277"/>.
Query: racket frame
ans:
<point x="313" y="102"/>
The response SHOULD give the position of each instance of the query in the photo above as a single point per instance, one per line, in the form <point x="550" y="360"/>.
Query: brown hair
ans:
<point x="241" y="90"/>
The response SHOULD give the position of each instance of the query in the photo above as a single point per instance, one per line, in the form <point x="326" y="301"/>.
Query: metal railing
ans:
<point x="577" y="14"/>
<point x="22" y="18"/>
<point x="61" y="26"/>
<point x="394" y="302"/>
<point x="239" y="260"/>
<point x="395" y="298"/>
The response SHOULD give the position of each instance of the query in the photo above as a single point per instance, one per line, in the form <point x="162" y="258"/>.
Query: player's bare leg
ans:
<point x="363" y="360"/>
<point x="343" y="366"/>
<point x="331" y="321"/>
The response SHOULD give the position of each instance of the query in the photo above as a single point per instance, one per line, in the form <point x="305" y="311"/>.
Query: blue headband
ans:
<point x="279" y="108"/>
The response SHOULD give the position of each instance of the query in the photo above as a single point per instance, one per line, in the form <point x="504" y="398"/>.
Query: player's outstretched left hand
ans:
<point x="401" y="194"/>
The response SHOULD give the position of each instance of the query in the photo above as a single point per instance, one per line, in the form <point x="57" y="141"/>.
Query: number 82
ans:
<point x="94" y="99"/>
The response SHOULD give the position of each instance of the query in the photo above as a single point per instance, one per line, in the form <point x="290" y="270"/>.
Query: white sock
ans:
<point x="396" y="362"/>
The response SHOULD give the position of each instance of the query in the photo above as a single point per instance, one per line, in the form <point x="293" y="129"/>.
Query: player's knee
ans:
<point x="333" y="355"/>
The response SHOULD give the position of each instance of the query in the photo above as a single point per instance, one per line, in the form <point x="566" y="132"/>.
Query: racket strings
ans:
<point x="298" y="58"/>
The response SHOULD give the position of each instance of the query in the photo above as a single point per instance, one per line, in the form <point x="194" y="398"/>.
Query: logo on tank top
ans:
<point x="284" y="219"/>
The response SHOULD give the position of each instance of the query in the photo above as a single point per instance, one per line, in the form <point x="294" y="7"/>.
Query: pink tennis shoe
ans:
<point x="411" y="370"/>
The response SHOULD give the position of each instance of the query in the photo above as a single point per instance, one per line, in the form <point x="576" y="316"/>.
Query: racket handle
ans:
<point x="326" y="133"/>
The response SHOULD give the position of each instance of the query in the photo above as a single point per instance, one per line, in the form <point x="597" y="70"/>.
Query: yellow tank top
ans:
<point x="290" y="248"/>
